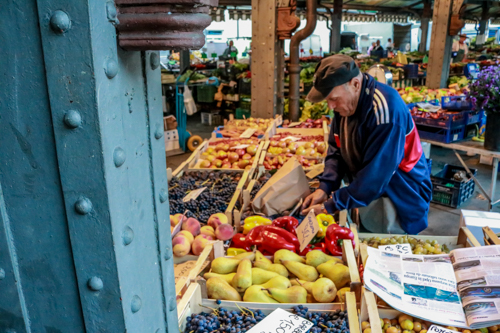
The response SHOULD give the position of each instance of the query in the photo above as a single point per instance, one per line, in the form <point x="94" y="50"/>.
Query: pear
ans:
<point x="336" y="272"/>
<point x="306" y="284"/>
<point x="341" y="294"/>
<point x="324" y="290"/>
<point x="258" y="295"/>
<point x="243" y="277"/>
<point x="302" y="271"/>
<point x="287" y="255"/>
<point x="279" y="282"/>
<point x="224" y="265"/>
<point x="310" y="298"/>
<point x="260" y="276"/>
<point x="260" y="257"/>
<point x="226" y="277"/>
<point x="295" y="294"/>
<point x="218" y="288"/>
<point x="268" y="266"/>
<point x="316" y="257"/>
<point x="246" y="255"/>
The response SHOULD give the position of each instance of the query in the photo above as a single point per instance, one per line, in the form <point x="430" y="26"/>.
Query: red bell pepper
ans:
<point x="335" y="234"/>
<point x="288" y="223"/>
<point x="240" y="241"/>
<point x="314" y="247"/>
<point x="273" y="242"/>
<point x="288" y="236"/>
<point x="253" y="235"/>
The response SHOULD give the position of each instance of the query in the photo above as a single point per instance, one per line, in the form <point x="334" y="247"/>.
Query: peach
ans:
<point x="207" y="230"/>
<point x="180" y="246"/>
<point x="216" y="220"/>
<point x="192" y="225"/>
<point x="186" y="234"/>
<point x="224" y="232"/>
<point x="199" y="244"/>
<point x="175" y="219"/>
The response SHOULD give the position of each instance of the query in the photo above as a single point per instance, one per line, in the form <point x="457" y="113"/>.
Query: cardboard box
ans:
<point x="475" y="220"/>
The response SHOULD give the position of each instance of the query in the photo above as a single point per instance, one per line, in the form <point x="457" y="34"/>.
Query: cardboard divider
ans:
<point x="490" y="238"/>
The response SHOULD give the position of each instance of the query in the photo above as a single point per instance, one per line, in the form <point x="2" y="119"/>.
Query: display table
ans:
<point x="475" y="147"/>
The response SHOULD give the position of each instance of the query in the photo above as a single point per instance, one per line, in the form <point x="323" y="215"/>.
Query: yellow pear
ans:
<point x="341" y="294"/>
<point x="324" y="290"/>
<point x="295" y="294"/>
<point x="279" y="282"/>
<point x="243" y="277"/>
<point x="302" y="271"/>
<point x="317" y="257"/>
<point x="310" y="298"/>
<point x="217" y="288"/>
<point x="258" y="295"/>
<point x="287" y="255"/>
<point x="260" y="276"/>
<point x="246" y="255"/>
<point x="268" y="266"/>
<point x="226" y="277"/>
<point x="336" y="272"/>
<point x="260" y="257"/>
<point x="306" y="284"/>
<point x="224" y="265"/>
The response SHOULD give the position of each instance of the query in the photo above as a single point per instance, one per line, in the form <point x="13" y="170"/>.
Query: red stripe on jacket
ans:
<point x="337" y="140"/>
<point x="413" y="150"/>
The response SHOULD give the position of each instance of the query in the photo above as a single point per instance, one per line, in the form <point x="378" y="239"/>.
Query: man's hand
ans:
<point x="316" y="198"/>
<point x="318" y="209"/>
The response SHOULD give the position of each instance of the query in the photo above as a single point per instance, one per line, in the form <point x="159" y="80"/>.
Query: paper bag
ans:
<point x="283" y="190"/>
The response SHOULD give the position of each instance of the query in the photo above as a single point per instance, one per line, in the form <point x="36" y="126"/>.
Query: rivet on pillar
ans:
<point x="119" y="157"/>
<point x="136" y="304"/>
<point x="111" y="68"/>
<point x="127" y="235"/>
<point x="72" y="119"/>
<point x="95" y="283"/>
<point x="60" y="22"/>
<point x="154" y="60"/>
<point x="83" y="206"/>
<point x="163" y="195"/>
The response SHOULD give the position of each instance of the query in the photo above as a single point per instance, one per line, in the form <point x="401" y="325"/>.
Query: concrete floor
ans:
<point x="443" y="221"/>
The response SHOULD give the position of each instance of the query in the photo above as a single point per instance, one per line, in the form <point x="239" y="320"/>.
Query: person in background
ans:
<point x="378" y="47"/>
<point x="230" y="49"/>
<point x="371" y="48"/>
<point x="461" y="49"/>
<point x="389" y="46"/>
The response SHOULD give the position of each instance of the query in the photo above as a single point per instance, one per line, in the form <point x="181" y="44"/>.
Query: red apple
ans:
<point x="226" y="166"/>
<point x="235" y="165"/>
<point x="233" y="157"/>
<point x="221" y="154"/>
<point x="226" y="147"/>
<point x="204" y="164"/>
<point x="211" y="158"/>
<point x="217" y="163"/>
<point x="321" y="147"/>
<point x="240" y="152"/>
<point x="274" y="143"/>
<point x="252" y="149"/>
<point x="246" y="157"/>
<point x="224" y="161"/>
<point x="243" y="163"/>
<point x="282" y="144"/>
<point x="219" y="147"/>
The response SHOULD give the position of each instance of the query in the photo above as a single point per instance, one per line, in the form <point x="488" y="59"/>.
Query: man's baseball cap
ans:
<point x="331" y="72"/>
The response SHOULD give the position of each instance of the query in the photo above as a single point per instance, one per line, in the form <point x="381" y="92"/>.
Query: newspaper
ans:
<point x="461" y="289"/>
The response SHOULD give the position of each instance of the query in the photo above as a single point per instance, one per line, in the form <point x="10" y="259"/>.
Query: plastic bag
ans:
<point x="189" y="103"/>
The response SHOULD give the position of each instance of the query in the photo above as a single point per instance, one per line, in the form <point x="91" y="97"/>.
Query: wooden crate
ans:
<point x="264" y="154"/>
<point x="490" y="238"/>
<point x="194" y="302"/>
<point x="274" y="129"/>
<point x="369" y="311"/>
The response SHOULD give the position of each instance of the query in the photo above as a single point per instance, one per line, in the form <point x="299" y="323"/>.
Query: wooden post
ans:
<point x="424" y="26"/>
<point x="336" y="26"/>
<point x="280" y="77"/>
<point x="264" y="65"/>
<point x="440" y="50"/>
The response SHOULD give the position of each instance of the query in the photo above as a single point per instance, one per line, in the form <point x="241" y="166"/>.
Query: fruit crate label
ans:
<point x="281" y="321"/>
<point x="294" y="124"/>
<point x="293" y="138"/>
<point x="439" y="329"/>
<point x="396" y="248"/>
<point x="193" y="194"/>
<point x="248" y="133"/>
<point x="240" y="147"/>
<point x="307" y="230"/>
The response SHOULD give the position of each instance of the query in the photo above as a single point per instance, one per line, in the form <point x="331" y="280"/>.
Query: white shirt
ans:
<point x="457" y="47"/>
<point x="389" y="45"/>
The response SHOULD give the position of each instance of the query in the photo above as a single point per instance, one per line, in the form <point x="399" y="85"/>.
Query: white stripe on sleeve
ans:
<point x="384" y="101"/>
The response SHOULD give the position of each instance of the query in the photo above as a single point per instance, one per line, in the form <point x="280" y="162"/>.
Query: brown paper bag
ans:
<point x="283" y="190"/>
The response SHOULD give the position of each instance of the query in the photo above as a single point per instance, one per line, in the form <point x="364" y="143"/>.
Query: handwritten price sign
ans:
<point x="307" y="230"/>
<point x="281" y="321"/>
<point x="396" y="248"/>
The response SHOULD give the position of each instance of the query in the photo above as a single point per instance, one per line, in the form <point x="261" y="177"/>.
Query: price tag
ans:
<point x="291" y="138"/>
<point x="294" y="124"/>
<point x="316" y="171"/>
<point x="439" y="329"/>
<point x="240" y="147"/>
<point x="281" y="321"/>
<point x="307" y="229"/>
<point x="193" y="194"/>
<point x="248" y="133"/>
<point x="214" y="55"/>
<point x="396" y="248"/>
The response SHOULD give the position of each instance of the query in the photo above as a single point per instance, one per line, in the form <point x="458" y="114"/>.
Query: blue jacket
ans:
<point x="379" y="150"/>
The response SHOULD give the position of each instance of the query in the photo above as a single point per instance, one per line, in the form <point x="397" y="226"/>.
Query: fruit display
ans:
<point x="439" y="115"/>
<point x="303" y="138"/>
<point x="220" y="188"/>
<point x="228" y="156"/>
<point x="288" y="278"/>
<point x="424" y="94"/>
<point x="233" y="132"/>
<point x="233" y="142"/>
<point x="257" y="123"/>
<point x="418" y="246"/>
<point x="308" y="123"/>
<point x="277" y="161"/>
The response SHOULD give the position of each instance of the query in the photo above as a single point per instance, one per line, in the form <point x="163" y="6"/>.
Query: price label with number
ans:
<point x="396" y="248"/>
<point x="281" y="321"/>
<point x="307" y="230"/>
<point x="193" y="194"/>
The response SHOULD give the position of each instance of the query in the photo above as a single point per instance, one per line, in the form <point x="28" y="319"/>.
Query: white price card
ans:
<point x="193" y="194"/>
<point x="439" y="329"/>
<point x="248" y="133"/>
<point x="396" y="248"/>
<point x="240" y="147"/>
<point x="281" y="321"/>
<point x="290" y="138"/>
<point x="294" y="124"/>
<point x="307" y="229"/>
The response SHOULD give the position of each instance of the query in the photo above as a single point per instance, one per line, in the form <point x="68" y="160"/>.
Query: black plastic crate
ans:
<point x="245" y="86"/>
<point x="450" y="192"/>
<point x="411" y="71"/>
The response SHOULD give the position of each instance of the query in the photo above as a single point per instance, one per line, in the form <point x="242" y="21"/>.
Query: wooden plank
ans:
<point x="490" y="236"/>
<point x="352" y="312"/>
<point x="440" y="47"/>
<point x="350" y="260"/>
<point x="363" y="251"/>
<point x="467" y="146"/>
<point x="466" y="238"/>
<point x="230" y="207"/>
<point x="371" y="307"/>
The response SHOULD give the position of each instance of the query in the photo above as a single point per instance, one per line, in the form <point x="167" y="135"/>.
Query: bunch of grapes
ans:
<point x="418" y="246"/>
<point x="223" y="320"/>
<point x="214" y="199"/>
<point x="327" y="322"/>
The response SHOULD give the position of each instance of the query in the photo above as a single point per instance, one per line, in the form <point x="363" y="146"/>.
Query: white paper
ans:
<point x="316" y="171"/>
<point x="307" y="229"/>
<point x="290" y="138"/>
<point x="193" y="194"/>
<point x="248" y="133"/>
<point x="281" y="321"/>
<point x="240" y="147"/>
<point x="396" y="248"/>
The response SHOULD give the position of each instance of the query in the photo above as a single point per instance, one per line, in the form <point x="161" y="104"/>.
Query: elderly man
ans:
<point x="375" y="144"/>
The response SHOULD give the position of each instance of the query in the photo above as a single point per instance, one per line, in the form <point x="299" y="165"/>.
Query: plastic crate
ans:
<point x="473" y="117"/>
<point x="242" y="113"/>
<point x="245" y="86"/>
<point x="411" y="71"/>
<point x="245" y="103"/>
<point x="206" y="93"/>
<point x="441" y="134"/>
<point x="211" y="119"/>
<point x="456" y="103"/>
<point x="449" y="192"/>
<point x="445" y="120"/>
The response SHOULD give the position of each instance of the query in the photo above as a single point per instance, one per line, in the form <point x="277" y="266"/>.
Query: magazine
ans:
<point x="460" y="289"/>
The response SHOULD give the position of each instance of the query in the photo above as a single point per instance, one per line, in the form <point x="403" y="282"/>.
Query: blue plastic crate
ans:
<point x="441" y="134"/>
<point x="411" y="71"/>
<point x="456" y="103"/>
<point x="474" y="117"/>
